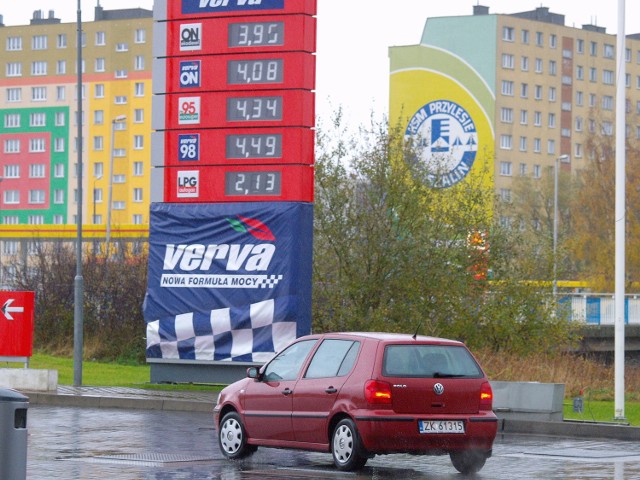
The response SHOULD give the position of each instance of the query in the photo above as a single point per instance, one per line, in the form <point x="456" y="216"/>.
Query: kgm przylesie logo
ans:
<point x="447" y="142"/>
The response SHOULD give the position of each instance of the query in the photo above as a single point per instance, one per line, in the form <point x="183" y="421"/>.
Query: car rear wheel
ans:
<point x="468" y="461"/>
<point x="346" y="446"/>
<point x="232" y="438"/>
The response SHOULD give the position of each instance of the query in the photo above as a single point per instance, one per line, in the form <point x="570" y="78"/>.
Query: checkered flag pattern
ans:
<point x="242" y="334"/>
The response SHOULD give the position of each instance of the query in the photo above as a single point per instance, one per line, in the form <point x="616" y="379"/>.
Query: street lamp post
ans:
<point x="118" y="119"/>
<point x="563" y="159"/>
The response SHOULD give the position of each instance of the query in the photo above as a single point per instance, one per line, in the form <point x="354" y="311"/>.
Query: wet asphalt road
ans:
<point x="89" y="443"/>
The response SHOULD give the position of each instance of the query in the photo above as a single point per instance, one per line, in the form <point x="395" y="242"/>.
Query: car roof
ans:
<point x="388" y="337"/>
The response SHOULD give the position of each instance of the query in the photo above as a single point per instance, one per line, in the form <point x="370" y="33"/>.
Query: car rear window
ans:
<point x="429" y="361"/>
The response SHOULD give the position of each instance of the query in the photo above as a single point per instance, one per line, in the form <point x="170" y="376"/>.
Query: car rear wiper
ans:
<point x="447" y="375"/>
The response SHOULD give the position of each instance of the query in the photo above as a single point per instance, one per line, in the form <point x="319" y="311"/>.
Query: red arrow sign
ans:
<point x="16" y="323"/>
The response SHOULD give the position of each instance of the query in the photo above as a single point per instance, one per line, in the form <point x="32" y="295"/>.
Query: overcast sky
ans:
<point x="354" y="36"/>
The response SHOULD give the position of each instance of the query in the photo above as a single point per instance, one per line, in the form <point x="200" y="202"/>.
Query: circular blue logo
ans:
<point x="447" y="142"/>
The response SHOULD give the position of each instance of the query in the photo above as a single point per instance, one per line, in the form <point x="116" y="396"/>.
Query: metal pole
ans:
<point x="555" y="228"/>
<point x="620" y="220"/>
<point x="78" y="292"/>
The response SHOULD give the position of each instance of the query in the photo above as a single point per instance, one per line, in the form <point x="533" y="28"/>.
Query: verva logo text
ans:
<point x="189" y="147"/>
<point x="190" y="37"/>
<point x="200" y="6"/>
<point x="190" y="74"/>
<point x="188" y="110"/>
<point x="188" y="184"/>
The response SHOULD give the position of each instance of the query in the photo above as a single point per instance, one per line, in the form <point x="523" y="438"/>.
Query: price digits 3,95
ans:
<point x="256" y="34"/>
<point x="254" y="71"/>
<point x="246" y="109"/>
<point x="252" y="183"/>
<point x="254" y="146"/>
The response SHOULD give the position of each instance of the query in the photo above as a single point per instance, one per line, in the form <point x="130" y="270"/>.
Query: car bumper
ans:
<point x="384" y="433"/>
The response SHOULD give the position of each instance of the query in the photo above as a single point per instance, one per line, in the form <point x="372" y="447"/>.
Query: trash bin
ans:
<point x="13" y="434"/>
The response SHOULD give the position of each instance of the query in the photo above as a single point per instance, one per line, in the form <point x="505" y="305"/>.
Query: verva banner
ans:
<point x="228" y="282"/>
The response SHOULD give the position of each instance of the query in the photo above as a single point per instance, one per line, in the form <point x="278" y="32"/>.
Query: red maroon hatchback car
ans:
<point x="357" y="395"/>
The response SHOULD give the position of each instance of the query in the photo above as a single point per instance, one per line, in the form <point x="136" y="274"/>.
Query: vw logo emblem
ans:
<point x="438" y="389"/>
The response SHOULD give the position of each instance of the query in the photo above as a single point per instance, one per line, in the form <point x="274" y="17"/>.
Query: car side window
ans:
<point x="287" y="364"/>
<point x="334" y="358"/>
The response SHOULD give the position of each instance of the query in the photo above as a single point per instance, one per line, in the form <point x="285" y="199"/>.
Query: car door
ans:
<point x="268" y="400"/>
<point x="317" y="390"/>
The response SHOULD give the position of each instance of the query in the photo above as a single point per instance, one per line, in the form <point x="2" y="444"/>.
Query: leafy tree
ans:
<point x="392" y="253"/>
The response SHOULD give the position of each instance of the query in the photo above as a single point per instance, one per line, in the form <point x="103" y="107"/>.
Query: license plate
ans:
<point x="441" y="426"/>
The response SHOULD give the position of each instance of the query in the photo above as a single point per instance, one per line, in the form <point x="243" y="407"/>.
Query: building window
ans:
<point x="524" y="90"/>
<point x="62" y="40"/>
<point x="37" y="145"/>
<point x="58" y="145"/>
<point x="537" y="119"/>
<point x="537" y="145"/>
<point x="98" y="117"/>
<point x="139" y="89"/>
<point x="552" y="120"/>
<point x="553" y="41"/>
<point x="119" y="205"/>
<point x="12" y="120"/>
<point x="140" y="35"/>
<point x="39" y="94"/>
<point x="508" y="34"/>
<point x="138" y="169"/>
<point x="577" y="150"/>
<point x="525" y="37"/>
<point x="11" y="171"/>
<point x="607" y="77"/>
<point x="138" y="63"/>
<point x="524" y="117"/>
<point x="607" y="102"/>
<point x="608" y="50"/>
<point x="138" y="142"/>
<point x="553" y="67"/>
<point x="59" y="119"/>
<point x="98" y="142"/>
<point x="58" y="196"/>
<point x="593" y="100"/>
<point x="523" y="169"/>
<point x="14" y="44"/>
<point x="137" y="219"/>
<point x="14" y="69"/>
<point x="14" y="94"/>
<point x="100" y="64"/>
<point x="138" y="115"/>
<point x="523" y="144"/>
<point x="36" y="196"/>
<point x="12" y="145"/>
<point x="99" y="90"/>
<point x="506" y="115"/>
<point x="61" y="67"/>
<point x="507" y="61"/>
<point x="101" y="39"/>
<point x="539" y="39"/>
<point x="38" y="119"/>
<point x="538" y="65"/>
<point x="537" y="171"/>
<point x="551" y="147"/>
<point x="38" y="68"/>
<point x="552" y="94"/>
<point x="579" y="124"/>
<point x="505" y="142"/>
<point x="538" y="92"/>
<point x="121" y="74"/>
<point x="580" y="45"/>
<point x="505" y="169"/>
<point x="593" y="49"/>
<point x="507" y="88"/>
<point x="39" y="42"/>
<point x="524" y="64"/>
<point x="120" y="99"/>
<point x="122" y="47"/>
<point x="37" y="171"/>
<point x="137" y="195"/>
<point x="12" y="196"/>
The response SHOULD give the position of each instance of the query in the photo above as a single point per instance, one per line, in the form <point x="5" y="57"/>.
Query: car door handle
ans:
<point x="287" y="391"/>
<point x="331" y="390"/>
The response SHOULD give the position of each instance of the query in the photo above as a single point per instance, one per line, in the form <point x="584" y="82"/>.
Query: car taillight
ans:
<point x="486" y="396"/>
<point x="377" y="393"/>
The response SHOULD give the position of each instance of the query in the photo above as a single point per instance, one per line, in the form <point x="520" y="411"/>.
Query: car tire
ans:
<point x="232" y="437"/>
<point x="468" y="461"/>
<point x="346" y="446"/>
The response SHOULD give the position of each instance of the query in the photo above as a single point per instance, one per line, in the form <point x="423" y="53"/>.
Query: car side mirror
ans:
<point x="253" y="372"/>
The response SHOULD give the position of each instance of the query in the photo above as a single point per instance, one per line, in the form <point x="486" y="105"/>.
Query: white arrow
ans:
<point x="7" y="309"/>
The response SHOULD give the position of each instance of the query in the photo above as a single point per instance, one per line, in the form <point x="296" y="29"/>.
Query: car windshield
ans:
<point x="429" y="361"/>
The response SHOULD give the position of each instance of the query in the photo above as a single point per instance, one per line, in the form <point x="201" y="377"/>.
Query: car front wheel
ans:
<point x="468" y="461"/>
<point x="346" y="446"/>
<point x="232" y="438"/>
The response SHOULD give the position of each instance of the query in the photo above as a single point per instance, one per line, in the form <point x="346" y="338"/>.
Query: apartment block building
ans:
<point x="39" y="115"/>
<point x="508" y="95"/>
